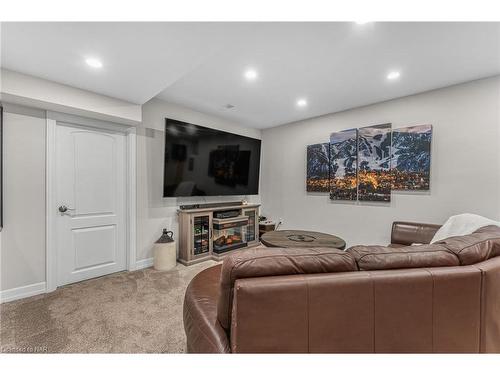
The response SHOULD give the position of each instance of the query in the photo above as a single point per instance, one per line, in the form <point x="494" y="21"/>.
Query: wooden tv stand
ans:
<point x="203" y="236"/>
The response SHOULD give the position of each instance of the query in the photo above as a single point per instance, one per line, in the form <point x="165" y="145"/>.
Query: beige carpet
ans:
<point x="127" y="312"/>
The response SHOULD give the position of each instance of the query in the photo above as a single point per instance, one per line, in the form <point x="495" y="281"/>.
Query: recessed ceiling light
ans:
<point x="94" y="63"/>
<point x="251" y="74"/>
<point x="393" y="75"/>
<point x="361" y="22"/>
<point x="301" y="103"/>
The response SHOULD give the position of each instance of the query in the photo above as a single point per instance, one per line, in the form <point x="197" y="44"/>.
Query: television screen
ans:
<point x="200" y="161"/>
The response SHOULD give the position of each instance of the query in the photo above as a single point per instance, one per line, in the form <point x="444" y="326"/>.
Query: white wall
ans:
<point x="23" y="234"/>
<point x="153" y="211"/>
<point x="465" y="164"/>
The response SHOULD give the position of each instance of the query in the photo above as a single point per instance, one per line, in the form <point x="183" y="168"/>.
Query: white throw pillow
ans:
<point x="461" y="225"/>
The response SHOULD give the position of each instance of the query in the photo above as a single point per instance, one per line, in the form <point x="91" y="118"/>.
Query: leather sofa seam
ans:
<point x="481" y="311"/>
<point x="432" y="307"/>
<point x="308" y="318"/>
<point x="481" y="348"/>
<point x="374" y="312"/>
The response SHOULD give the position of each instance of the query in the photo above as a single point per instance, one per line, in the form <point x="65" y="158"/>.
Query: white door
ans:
<point x="90" y="198"/>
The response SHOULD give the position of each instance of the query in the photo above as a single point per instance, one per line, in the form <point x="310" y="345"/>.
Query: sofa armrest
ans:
<point x="407" y="233"/>
<point x="204" y="334"/>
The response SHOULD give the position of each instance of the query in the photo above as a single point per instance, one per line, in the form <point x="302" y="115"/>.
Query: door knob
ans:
<point x="63" y="209"/>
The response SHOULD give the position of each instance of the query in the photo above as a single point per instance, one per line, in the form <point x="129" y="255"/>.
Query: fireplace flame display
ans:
<point x="230" y="234"/>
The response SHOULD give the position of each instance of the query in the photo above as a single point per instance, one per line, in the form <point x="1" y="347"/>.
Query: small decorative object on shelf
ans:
<point x="164" y="251"/>
<point x="266" y="225"/>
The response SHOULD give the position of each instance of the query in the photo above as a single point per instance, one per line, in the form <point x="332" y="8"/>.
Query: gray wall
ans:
<point x="464" y="172"/>
<point x="153" y="211"/>
<point x="23" y="234"/>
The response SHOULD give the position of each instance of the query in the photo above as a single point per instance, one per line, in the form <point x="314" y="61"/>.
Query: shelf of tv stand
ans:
<point x="220" y="208"/>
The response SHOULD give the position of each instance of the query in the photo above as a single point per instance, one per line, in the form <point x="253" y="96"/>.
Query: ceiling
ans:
<point x="334" y="66"/>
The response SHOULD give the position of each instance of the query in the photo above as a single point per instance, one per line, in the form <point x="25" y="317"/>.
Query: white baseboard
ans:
<point x="40" y="288"/>
<point x="144" y="263"/>
<point x="22" y="292"/>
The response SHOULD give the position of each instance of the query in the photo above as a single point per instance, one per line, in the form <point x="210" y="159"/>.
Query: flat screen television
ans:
<point x="200" y="161"/>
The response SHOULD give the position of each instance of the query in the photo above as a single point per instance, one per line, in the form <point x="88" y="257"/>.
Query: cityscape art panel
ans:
<point x="343" y="165"/>
<point x="374" y="161"/>
<point x="411" y="158"/>
<point x="318" y="168"/>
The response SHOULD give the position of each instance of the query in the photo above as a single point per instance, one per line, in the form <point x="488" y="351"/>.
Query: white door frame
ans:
<point x="130" y="133"/>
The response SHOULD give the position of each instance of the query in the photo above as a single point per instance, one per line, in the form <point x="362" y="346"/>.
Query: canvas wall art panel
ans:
<point x="411" y="158"/>
<point x="318" y="168"/>
<point x="374" y="158"/>
<point x="343" y="165"/>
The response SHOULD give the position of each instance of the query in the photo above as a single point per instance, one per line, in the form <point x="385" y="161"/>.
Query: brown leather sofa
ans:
<point x="439" y="298"/>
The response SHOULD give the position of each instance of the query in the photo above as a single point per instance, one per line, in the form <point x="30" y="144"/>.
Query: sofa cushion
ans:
<point x="384" y="258"/>
<point x="276" y="262"/>
<point x="477" y="247"/>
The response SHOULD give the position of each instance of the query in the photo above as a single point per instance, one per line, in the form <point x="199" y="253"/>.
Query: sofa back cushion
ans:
<point x="477" y="247"/>
<point x="384" y="258"/>
<point x="261" y="262"/>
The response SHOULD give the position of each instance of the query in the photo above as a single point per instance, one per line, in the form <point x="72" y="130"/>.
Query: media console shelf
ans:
<point x="213" y="231"/>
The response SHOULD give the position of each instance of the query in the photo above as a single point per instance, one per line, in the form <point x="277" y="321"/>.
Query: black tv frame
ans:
<point x="167" y="119"/>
